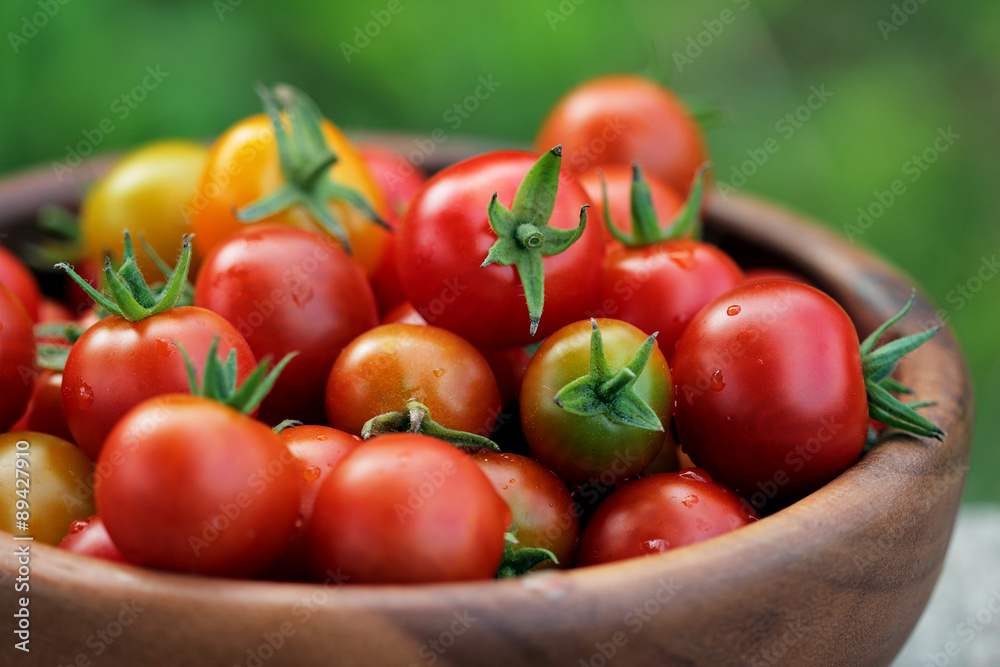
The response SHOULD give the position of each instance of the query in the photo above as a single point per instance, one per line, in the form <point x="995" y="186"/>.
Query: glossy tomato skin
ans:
<point x="187" y="484"/>
<point x="243" y="167"/>
<point x="117" y="364"/>
<point x="660" y="287"/>
<point x="621" y="119"/>
<point x="446" y="235"/>
<point x="89" y="537"/>
<point x="406" y="508"/>
<point x="45" y="482"/>
<point x="580" y="449"/>
<point x="17" y="358"/>
<point x="44" y="413"/>
<point x="289" y="290"/>
<point x="660" y="512"/>
<point x="147" y="193"/>
<point x="19" y="279"/>
<point x="386" y="367"/>
<point x="544" y="514"/>
<point x="770" y="394"/>
<point x="667" y="202"/>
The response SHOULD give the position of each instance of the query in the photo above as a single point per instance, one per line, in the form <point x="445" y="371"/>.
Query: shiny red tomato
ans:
<point x="545" y="515"/>
<point x="625" y="118"/>
<point x="287" y="290"/>
<point x="89" y="537"/>
<point x="446" y="235"/>
<point x="386" y="367"/>
<point x="44" y="413"/>
<point x="770" y="393"/>
<point x="185" y="483"/>
<point x="407" y="508"/>
<point x="17" y="358"/>
<point x="661" y="512"/>
<point x="117" y="364"/>
<point x="19" y="279"/>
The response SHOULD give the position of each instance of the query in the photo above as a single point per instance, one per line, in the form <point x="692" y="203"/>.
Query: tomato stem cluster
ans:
<point x="416" y="418"/>
<point x="645" y="227"/>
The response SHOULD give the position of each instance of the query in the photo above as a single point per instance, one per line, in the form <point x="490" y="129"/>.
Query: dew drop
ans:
<point x="84" y="396"/>
<point x="733" y="310"/>
<point x="695" y="475"/>
<point x="655" y="546"/>
<point x="321" y="437"/>
<point x="718" y="381"/>
<point x="684" y="259"/>
<point x="311" y="474"/>
<point x="78" y="525"/>
<point x="690" y="501"/>
<point x="438" y="372"/>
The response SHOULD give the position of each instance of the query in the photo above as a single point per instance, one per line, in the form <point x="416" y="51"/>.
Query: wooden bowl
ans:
<point x="838" y="578"/>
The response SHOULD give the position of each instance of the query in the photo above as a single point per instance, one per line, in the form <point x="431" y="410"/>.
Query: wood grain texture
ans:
<point x="838" y="578"/>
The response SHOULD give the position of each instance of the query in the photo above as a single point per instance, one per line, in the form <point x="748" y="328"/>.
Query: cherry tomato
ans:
<point x="446" y="235"/>
<point x="285" y="290"/>
<point x="582" y="448"/>
<point x="660" y="512"/>
<point x="89" y="537"/>
<point x="117" y="364"/>
<point x="147" y="193"/>
<point x="44" y="413"/>
<point x="625" y="118"/>
<point x="770" y="393"/>
<point x="17" y="358"/>
<point x="660" y="287"/>
<point x="618" y="182"/>
<point x="243" y="167"/>
<point x="768" y="273"/>
<point x="44" y="485"/>
<point x="19" y="279"/>
<point x="50" y="310"/>
<point x="545" y="515"/>
<point x="185" y="483"/>
<point x="407" y="508"/>
<point x="386" y="367"/>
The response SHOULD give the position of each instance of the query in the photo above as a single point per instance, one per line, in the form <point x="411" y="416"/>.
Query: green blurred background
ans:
<point x="899" y="73"/>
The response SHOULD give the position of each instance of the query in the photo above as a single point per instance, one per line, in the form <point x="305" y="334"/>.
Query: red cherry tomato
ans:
<point x="660" y="512"/>
<point x="288" y="290"/>
<point x="407" y="508"/>
<point x="770" y="393"/>
<point x="19" y="279"/>
<point x="17" y="358"/>
<point x="44" y="413"/>
<point x="89" y="537"/>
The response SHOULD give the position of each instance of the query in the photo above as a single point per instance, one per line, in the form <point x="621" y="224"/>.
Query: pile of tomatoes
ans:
<point x="351" y="367"/>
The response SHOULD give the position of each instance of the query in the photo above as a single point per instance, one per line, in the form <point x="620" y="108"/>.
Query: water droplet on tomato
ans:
<point x="84" y="396"/>
<point x="511" y="480"/>
<point x="718" y="381"/>
<point x="321" y="437"/>
<point x="78" y="525"/>
<point x="438" y="372"/>
<point x="164" y="347"/>
<point x="733" y="310"/>
<point x="695" y="475"/>
<point x="657" y="546"/>
<point x="684" y="259"/>
<point x="690" y="501"/>
<point x="311" y="474"/>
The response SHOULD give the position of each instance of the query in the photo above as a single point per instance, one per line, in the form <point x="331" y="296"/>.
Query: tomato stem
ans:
<point x="416" y="418"/>
<point x="645" y="227"/>
<point x="518" y="562"/>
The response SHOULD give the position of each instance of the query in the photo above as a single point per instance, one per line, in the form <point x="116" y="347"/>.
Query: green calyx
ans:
<point x="517" y="562"/>
<point x="416" y="418"/>
<point x="219" y="381"/>
<point x="305" y="160"/>
<point x="53" y="341"/>
<point x="645" y="227"/>
<point x="609" y="392"/>
<point x="129" y="294"/>
<point x="523" y="234"/>
<point x="878" y="363"/>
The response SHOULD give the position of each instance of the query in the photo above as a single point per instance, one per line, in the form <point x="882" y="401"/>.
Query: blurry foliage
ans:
<point x="891" y="94"/>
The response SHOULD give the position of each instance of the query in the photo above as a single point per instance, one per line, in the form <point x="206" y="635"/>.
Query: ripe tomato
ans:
<point x="386" y="367"/>
<point x="89" y="537"/>
<point x="185" y="483"/>
<point x="770" y="393"/>
<point x="625" y="118"/>
<point x="146" y="192"/>
<point x="446" y="235"/>
<point x="44" y="413"/>
<point x="117" y="364"/>
<point x="243" y="167"/>
<point x="545" y="515"/>
<point x="660" y="287"/>
<point x="667" y="203"/>
<point x="581" y="448"/>
<point x="286" y="290"/>
<point x="407" y="508"/>
<point x="19" y="279"/>
<point x="44" y="485"/>
<point x="17" y="358"/>
<point x="660" y="512"/>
